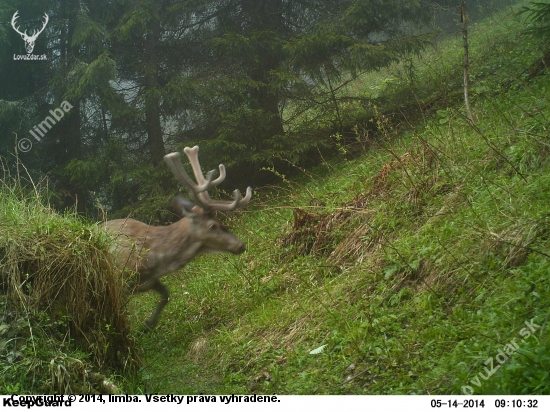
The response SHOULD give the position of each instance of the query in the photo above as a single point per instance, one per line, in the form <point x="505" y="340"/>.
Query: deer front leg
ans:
<point x="163" y="291"/>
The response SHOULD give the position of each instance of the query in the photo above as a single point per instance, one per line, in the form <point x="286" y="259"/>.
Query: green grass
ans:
<point x="411" y="290"/>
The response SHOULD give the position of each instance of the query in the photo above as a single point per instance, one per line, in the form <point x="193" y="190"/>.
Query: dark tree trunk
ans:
<point x="152" y="101"/>
<point x="154" y="131"/>
<point x="268" y="101"/>
<point x="71" y="144"/>
<point x="68" y="129"/>
<point x="266" y="15"/>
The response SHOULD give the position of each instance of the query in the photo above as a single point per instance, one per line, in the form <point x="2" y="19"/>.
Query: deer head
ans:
<point x="213" y="235"/>
<point x="29" y="40"/>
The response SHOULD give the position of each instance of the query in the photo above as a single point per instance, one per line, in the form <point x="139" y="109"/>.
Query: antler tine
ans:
<point x="204" y="198"/>
<point x="227" y="206"/>
<point x="15" y="17"/>
<point x="246" y="198"/>
<point x="37" y="32"/>
<point x="173" y="160"/>
<point x="193" y="156"/>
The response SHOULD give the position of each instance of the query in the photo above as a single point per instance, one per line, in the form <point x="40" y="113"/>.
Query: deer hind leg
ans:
<point x="163" y="291"/>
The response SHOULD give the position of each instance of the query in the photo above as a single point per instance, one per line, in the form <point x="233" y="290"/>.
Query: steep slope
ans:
<point x="406" y="270"/>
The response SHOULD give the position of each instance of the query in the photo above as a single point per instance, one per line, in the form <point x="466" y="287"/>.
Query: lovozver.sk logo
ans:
<point x="29" y="40"/>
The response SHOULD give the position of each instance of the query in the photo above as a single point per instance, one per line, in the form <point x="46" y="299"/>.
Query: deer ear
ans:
<point x="184" y="207"/>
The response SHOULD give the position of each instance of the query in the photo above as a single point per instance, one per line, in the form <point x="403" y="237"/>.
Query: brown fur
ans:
<point x="155" y="251"/>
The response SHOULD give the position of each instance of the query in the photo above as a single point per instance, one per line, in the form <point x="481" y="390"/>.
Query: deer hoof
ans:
<point x="149" y="325"/>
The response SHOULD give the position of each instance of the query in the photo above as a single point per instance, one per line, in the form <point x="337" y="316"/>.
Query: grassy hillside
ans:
<point x="63" y="322"/>
<point x="400" y="271"/>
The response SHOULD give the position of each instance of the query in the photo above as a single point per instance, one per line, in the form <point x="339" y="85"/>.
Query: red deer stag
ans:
<point x="155" y="251"/>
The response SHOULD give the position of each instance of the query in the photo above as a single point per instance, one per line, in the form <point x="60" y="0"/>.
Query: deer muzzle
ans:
<point x="239" y="248"/>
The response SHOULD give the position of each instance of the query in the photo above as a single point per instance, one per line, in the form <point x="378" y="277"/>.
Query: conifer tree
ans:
<point x="259" y="55"/>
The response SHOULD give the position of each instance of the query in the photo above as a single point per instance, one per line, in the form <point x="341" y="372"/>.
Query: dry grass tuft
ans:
<point x="69" y="275"/>
<point x="198" y="349"/>
<point x="318" y="233"/>
<point x="61" y="266"/>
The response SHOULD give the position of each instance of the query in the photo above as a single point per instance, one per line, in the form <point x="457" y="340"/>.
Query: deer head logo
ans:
<point x="29" y="40"/>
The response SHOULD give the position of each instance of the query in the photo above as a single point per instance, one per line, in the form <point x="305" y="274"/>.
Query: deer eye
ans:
<point x="213" y="226"/>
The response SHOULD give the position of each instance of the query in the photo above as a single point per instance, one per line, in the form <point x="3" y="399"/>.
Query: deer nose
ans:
<point x="240" y="249"/>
